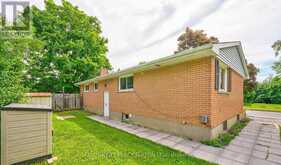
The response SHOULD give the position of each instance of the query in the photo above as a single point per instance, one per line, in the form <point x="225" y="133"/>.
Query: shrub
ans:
<point x="269" y="91"/>
<point x="225" y="138"/>
<point x="249" y="97"/>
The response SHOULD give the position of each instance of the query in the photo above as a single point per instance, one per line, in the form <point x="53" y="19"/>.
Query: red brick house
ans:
<point x="197" y="93"/>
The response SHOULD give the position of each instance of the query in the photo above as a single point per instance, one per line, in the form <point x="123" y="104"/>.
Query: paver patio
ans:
<point x="257" y="143"/>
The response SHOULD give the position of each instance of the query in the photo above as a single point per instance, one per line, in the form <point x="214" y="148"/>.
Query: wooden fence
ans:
<point x="62" y="102"/>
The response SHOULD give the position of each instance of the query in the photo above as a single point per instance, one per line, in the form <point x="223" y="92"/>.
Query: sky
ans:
<point x="145" y="30"/>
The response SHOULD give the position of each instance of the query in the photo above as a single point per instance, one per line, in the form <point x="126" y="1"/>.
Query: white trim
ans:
<point x="84" y="90"/>
<point x="126" y="90"/>
<point x="119" y="84"/>
<point x="94" y="87"/>
<point x="127" y="75"/>
<point x="106" y="104"/>
<point x="242" y="56"/>
<point x="225" y="68"/>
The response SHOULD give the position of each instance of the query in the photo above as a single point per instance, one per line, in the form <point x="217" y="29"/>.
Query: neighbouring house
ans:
<point x="196" y="93"/>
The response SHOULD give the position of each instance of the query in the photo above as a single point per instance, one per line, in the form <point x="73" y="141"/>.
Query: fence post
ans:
<point x="63" y="101"/>
<point x="75" y="101"/>
<point x="81" y="101"/>
<point x="54" y="103"/>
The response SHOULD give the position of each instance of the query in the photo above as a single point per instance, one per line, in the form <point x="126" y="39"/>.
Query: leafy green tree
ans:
<point x="12" y="67"/>
<point x="74" y="49"/>
<point x="194" y="38"/>
<point x="250" y="84"/>
<point x="269" y="91"/>
<point x="277" y="47"/>
<point x="16" y="55"/>
<point x="277" y="65"/>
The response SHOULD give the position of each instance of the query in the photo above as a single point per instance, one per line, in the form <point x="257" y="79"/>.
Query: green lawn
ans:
<point x="83" y="141"/>
<point x="263" y="107"/>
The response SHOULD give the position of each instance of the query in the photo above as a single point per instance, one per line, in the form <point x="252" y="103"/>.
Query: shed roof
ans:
<point x="186" y="55"/>
<point x="27" y="107"/>
<point x="39" y="94"/>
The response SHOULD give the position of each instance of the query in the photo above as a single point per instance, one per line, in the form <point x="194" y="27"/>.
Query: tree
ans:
<point x="250" y="84"/>
<point x="277" y="47"/>
<point x="74" y="49"/>
<point x="16" y="55"/>
<point x="12" y="68"/>
<point x="277" y="65"/>
<point x="269" y="91"/>
<point x="194" y="38"/>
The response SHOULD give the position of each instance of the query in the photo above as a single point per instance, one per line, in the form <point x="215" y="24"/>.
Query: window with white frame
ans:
<point x="86" y="88"/>
<point x="223" y="78"/>
<point x="96" y="86"/>
<point x="126" y="83"/>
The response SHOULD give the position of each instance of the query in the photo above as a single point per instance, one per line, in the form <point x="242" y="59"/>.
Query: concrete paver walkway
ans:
<point x="257" y="144"/>
<point x="265" y="117"/>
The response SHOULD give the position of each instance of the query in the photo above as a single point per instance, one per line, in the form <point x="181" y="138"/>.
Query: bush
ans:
<point x="249" y="97"/>
<point x="269" y="91"/>
<point x="220" y="141"/>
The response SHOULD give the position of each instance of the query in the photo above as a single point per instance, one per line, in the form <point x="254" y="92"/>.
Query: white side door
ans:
<point x="106" y="104"/>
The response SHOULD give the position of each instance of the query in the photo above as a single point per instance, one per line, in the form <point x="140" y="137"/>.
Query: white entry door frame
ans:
<point x="106" y="104"/>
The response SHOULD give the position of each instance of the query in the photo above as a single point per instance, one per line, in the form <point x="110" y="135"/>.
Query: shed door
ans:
<point x="106" y="103"/>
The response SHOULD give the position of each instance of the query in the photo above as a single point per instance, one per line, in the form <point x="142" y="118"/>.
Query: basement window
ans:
<point x="225" y="125"/>
<point x="86" y="88"/>
<point x="126" y="116"/>
<point x="126" y="83"/>
<point x="238" y="117"/>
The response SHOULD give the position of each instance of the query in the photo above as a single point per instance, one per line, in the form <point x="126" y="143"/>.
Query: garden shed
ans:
<point x="42" y="98"/>
<point x="26" y="133"/>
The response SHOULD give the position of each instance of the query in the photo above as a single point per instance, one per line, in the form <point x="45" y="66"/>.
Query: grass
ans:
<point x="225" y="138"/>
<point x="263" y="107"/>
<point x="82" y="141"/>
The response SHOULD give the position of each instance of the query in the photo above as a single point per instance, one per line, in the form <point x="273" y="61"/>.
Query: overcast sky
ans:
<point x="145" y="30"/>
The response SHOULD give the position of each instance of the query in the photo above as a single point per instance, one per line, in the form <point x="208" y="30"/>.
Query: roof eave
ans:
<point x="195" y="53"/>
<point x="152" y="66"/>
<point x="186" y="55"/>
<point x="243" y="61"/>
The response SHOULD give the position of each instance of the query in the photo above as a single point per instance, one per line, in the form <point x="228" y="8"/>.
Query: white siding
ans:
<point x="231" y="57"/>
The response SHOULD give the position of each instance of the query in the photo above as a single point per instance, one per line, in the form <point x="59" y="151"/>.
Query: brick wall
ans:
<point x="178" y="93"/>
<point x="225" y="106"/>
<point x="93" y="101"/>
